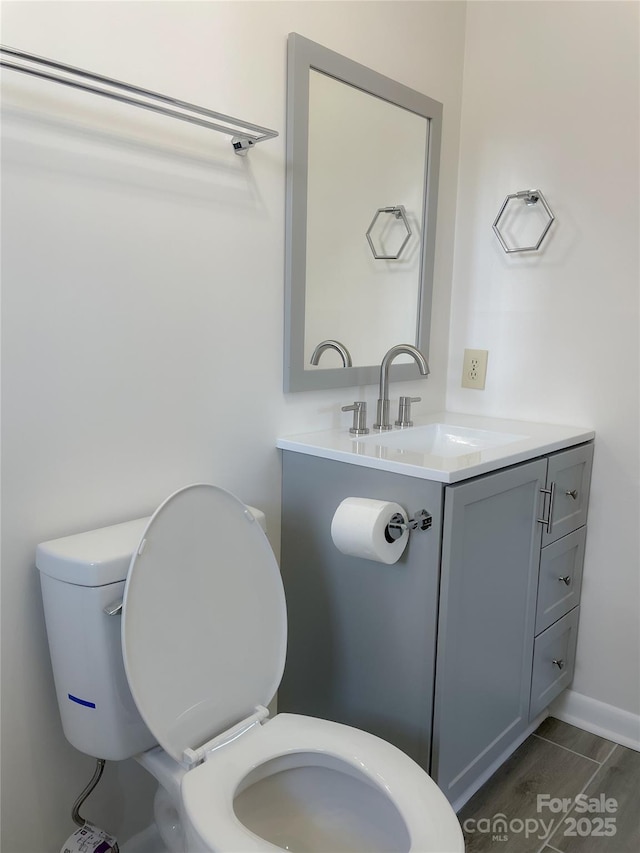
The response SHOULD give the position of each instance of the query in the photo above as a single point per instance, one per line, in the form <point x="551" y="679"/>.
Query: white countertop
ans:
<point x="527" y="440"/>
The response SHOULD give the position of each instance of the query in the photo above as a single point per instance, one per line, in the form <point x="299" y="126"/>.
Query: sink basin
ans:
<point x="443" y="447"/>
<point x="442" y="439"/>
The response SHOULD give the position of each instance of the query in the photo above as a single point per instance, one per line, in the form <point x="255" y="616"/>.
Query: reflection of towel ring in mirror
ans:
<point x="399" y="213"/>
<point x="530" y="197"/>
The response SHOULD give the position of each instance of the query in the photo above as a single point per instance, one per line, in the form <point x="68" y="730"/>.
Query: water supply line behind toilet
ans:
<point x="89" y="838"/>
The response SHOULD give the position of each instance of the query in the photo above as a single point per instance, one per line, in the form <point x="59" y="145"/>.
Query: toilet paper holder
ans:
<point x="422" y="520"/>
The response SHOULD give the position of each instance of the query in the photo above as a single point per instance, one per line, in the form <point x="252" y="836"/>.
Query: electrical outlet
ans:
<point x="474" y="368"/>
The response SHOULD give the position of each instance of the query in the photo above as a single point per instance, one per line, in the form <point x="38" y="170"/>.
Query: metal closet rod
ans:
<point x="245" y="135"/>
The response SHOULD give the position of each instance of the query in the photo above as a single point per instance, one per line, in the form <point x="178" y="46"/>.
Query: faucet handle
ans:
<point x="359" y="409"/>
<point x="404" y="411"/>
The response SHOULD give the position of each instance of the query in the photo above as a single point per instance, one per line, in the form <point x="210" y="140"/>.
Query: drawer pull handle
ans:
<point x="558" y="662"/>
<point x="572" y="493"/>
<point x="565" y="579"/>
<point x="548" y="521"/>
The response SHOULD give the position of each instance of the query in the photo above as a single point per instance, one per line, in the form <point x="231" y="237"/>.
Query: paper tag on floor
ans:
<point x="89" y="839"/>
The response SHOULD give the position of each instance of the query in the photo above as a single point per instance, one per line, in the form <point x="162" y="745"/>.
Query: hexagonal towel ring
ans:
<point x="529" y="197"/>
<point x="400" y="213"/>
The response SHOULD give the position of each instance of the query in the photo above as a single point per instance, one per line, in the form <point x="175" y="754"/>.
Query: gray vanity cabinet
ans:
<point x="490" y="556"/>
<point x="509" y="609"/>
<point x="362" y="635"/>
<point x="453" y="651"/>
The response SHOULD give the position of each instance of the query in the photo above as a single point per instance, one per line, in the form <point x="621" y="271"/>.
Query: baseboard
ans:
<point x="597" y="717"/>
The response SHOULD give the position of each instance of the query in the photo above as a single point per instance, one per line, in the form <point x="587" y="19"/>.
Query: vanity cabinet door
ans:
<point x="362" y="634"/>
<point x="569" y="478"/>
<point x="490" y="556"/>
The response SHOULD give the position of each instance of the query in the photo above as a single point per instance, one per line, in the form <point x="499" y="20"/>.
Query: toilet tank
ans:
<point x="80" y="576"/>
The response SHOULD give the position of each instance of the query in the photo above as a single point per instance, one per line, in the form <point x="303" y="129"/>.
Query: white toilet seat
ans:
<point x="203" y="602"/>
<point x="208" y="791"/>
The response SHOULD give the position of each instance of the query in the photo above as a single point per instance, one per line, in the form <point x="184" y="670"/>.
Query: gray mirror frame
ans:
<point x="304" y="55"/>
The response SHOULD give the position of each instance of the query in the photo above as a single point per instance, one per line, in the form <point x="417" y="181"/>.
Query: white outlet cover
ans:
<point x="474" y="368"/>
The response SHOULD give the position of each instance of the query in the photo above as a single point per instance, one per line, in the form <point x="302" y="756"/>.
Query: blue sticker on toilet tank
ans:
<point x="81" y="701"/>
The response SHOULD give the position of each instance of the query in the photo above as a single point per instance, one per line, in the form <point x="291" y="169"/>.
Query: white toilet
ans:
<point x="179" y="677"/>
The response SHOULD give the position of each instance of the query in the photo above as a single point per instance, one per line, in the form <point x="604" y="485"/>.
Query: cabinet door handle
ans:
<point x="572" y="493"/>
<point x="566" y="579"/>
<point x="558" y="662"/>
<point x="548" y="521"/>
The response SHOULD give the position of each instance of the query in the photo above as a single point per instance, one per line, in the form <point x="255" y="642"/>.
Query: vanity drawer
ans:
<point x="569" y="479"/>
<point x="554" y="655"/>
<point x="560" y="578"/>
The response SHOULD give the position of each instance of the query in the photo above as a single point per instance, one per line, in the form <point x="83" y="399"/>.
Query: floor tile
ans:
<point x="536" y="767"/>
<point x="584" y="743"/>
<point x="617" y="779"/>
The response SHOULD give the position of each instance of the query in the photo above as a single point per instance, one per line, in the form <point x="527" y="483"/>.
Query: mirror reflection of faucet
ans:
<point x="344" y="353"/>
<point x="382" y="419"/>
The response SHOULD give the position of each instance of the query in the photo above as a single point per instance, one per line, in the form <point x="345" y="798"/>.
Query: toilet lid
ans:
<point x="204" y="627"/>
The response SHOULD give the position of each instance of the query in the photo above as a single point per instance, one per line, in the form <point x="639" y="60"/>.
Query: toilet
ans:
<point x="168" y="640"/>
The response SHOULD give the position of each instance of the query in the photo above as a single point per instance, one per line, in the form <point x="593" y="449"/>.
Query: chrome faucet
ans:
<point x="382" y="420"/>
<point x="345" y="355"/>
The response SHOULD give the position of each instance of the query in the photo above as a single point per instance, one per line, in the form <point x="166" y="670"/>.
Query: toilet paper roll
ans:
<point x="359" y="529"/>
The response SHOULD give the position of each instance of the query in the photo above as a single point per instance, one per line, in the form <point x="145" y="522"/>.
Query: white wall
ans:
<point x="550" y="101"/>
<point x="142" y="278"/>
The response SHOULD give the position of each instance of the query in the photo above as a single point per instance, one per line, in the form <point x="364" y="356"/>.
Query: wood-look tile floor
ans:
<point x="563" y="791"/>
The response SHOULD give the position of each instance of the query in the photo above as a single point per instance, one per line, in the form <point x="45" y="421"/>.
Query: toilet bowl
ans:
<point x="304" y="784"/>
<point x="183" y="682"/>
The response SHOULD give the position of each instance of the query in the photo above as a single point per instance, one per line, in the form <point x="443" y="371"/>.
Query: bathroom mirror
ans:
<point x="362" y="178"/>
